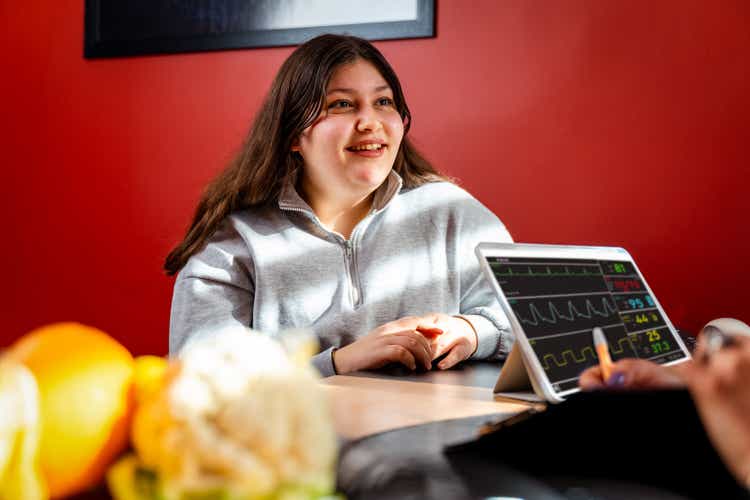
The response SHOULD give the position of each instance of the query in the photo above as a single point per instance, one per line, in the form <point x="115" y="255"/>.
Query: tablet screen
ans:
<point x="558" y="301"/>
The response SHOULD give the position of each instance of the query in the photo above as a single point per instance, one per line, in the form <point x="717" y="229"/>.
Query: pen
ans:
<point x="602" y="350"/>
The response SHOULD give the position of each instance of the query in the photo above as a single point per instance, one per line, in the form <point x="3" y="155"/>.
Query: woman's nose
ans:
<point x="368" y="121"/>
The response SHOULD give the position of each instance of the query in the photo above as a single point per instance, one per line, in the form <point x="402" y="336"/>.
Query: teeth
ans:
<point x="366" y="147"/>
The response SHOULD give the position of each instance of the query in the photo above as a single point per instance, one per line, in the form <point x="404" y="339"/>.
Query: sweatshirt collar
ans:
<point x="290" y="199"/>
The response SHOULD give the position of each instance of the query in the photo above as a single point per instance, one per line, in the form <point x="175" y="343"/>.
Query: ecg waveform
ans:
<point x="606" y="310"/>
<point x="545" y="316"/>
<point x="546" y="271"/>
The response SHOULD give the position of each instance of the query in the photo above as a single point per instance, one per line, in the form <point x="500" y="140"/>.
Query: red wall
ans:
<point x="618" y="123"/>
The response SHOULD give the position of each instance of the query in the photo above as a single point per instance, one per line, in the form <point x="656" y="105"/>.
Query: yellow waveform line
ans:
<point x="582" y="357"/>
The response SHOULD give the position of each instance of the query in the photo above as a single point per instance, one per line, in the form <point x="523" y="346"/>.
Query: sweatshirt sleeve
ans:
<point x="323" y="362"/>
<point x="479" y="303"/>
<point x="214" y="290"/>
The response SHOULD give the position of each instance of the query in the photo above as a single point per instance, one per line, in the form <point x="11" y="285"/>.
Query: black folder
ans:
<point x="653" y="440"/>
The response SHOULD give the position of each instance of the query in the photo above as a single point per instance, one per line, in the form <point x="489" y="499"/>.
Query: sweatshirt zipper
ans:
<point x="353" y="268"/>
<point x="350" y="261"/>
<point x="351" y="274"/>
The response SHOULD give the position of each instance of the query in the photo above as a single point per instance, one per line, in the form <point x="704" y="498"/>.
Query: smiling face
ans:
<point x="350" y="148"/>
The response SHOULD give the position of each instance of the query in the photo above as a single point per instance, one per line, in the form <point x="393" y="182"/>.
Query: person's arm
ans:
<point x="214" y="290"/>
<point x="480" y="330"/>
<point x="478" y="303"/>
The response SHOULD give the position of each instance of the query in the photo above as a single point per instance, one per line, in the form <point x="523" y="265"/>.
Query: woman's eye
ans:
<point x="339" y="105"/>
<point x="385" y="101"/>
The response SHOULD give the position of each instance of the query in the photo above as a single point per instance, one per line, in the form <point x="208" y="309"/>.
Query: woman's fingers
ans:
<point x="444" y="344"/>
<point x="428" y="321"/>
<point x="591" y="378"/>
<point x="431" y="325"/>
<point x="415" y="343"/>
<point x="398" y="353"/>
<point x="631" y="374"/>
<point x="457" y="352"/>
<point x="643" y="374"/>
<point x="430" y="333"/>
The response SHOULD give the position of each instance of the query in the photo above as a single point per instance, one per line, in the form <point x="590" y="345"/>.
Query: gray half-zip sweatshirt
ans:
<point x="276" y="267"/>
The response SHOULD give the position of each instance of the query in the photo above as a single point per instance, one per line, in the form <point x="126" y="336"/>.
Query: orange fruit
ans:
<point x="148" y="376"/>
<point x="84" y="378"/>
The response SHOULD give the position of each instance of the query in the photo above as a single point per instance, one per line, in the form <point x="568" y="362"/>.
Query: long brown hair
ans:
<point x="256" y="175"/>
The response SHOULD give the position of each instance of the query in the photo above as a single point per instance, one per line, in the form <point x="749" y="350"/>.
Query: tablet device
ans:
<point x="555" y="295"/>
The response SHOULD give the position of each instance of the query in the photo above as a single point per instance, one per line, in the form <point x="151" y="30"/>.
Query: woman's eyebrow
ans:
<point x="379" y="88"/>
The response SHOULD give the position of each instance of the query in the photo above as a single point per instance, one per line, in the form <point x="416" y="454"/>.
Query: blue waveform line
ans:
<point x="572" y="315"/>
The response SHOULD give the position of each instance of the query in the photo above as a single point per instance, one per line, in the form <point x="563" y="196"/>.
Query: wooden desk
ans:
<point x="367" y="403"/>
<point x="395" y="428"/>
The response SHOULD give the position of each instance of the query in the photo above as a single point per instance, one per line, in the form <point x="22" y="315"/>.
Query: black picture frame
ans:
<point x="118" y="28"/>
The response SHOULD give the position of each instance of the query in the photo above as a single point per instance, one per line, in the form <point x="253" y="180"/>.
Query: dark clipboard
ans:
<point x="652" y="438"/>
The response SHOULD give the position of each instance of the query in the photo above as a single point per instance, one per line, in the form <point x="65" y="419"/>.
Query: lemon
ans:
<point x="84" y="378"/>
<point x="20" y="477"/>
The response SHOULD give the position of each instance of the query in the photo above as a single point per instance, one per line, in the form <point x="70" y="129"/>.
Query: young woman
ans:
<point x="329" y="219"/>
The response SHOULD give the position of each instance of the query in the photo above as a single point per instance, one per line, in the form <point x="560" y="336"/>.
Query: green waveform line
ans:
<point x="548" y="273"/>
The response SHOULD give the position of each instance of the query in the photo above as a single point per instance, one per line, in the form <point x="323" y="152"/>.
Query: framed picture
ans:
<point x="115" y="28"/>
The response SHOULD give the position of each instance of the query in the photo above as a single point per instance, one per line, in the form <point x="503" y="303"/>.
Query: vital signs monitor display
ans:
<point x="558" y="301"/>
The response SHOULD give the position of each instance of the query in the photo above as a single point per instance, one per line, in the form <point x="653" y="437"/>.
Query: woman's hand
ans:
<point x="398" y="341"/>
<point x="634" y="374"/>
<point x="720" y="389"/>
<point x="458" y="338"/>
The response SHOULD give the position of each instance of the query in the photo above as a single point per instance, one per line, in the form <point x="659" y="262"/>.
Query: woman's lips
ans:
<point x="368" y="150"/>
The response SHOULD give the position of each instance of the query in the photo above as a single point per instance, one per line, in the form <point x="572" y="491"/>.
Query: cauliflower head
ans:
<point x="236" y="415"/>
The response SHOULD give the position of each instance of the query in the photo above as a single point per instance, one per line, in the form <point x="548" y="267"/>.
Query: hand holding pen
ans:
<point x="717" y="381"/>
<point x="629" y="373"/>
<point x="717" y="337"/>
